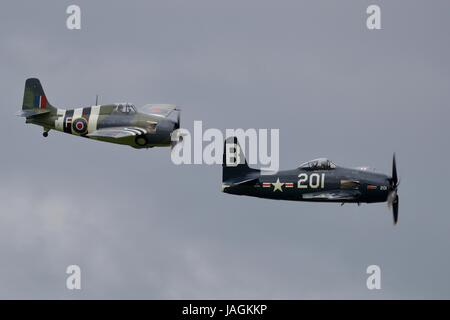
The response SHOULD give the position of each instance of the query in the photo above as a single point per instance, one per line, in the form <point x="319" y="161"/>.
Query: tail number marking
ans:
<point x="233" y="155"/>
<point x="313" y="181"/>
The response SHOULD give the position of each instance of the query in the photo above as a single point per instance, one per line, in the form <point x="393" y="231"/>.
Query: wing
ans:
<point x="331" y="195"/>
<point x="117" y="132"/>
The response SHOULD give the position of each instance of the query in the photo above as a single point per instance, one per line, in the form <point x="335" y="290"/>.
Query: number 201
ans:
<point x="315" y="181"/>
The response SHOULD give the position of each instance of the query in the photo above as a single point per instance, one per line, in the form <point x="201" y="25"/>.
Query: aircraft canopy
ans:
<point x="318" y="164"/>
<point x="125" y="108"/>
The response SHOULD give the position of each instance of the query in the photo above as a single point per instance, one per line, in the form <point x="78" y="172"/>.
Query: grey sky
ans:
<point x="141" y="227"/>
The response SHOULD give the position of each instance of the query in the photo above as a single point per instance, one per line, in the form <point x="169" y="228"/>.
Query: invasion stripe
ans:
<point x="77" y="113"/>
<point x="131" y="131"/>
<point x="140" y="130"/>
<point x="93" y="118"/>
<point x="137" y="132"/>
<point x="67" y="124"/>
<point x="59" y="122"/>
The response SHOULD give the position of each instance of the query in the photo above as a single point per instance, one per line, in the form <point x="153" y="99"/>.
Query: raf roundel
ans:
<point x="79" y="125"/>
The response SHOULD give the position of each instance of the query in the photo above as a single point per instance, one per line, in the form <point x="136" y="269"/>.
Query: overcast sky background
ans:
<point x="141" y="227"/>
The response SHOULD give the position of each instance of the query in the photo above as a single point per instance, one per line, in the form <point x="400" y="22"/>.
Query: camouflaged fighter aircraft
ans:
<point x="319" y="180"/>
<point x="119" y="123"/>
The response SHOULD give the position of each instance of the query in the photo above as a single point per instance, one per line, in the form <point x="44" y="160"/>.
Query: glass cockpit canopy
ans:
<point x="125" y="108"/>
<point x="318" y="164"/>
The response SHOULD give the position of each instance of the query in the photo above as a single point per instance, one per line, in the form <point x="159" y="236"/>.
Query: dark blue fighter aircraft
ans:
<point x="318" y="180"/>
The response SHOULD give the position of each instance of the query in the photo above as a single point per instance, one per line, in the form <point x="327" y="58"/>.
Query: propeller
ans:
<point x="176" y="127"/>
<point x="393" y="199"/>
<point x="177" y="124"/>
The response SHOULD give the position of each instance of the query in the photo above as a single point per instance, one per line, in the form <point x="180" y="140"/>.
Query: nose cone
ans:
<point x="385" y="187"/>
<point x="165" y="125"/>
<point x="175" y="125"/>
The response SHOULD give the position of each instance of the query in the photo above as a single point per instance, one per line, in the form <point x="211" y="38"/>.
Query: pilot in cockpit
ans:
<point x="318" y="164"/>
<point x="125" y="108"/>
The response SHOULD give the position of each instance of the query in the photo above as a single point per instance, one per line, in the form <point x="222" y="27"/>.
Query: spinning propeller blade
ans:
<point x="393" y="198"/>
<point x="395" y="209"/>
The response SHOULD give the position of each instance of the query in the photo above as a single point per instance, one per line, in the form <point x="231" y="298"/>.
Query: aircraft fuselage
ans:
<point x="154" y="131"/>
<point x="335" y="185"/>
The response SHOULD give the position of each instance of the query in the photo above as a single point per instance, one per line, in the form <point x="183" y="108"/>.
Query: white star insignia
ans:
<point x="277" y="185"/>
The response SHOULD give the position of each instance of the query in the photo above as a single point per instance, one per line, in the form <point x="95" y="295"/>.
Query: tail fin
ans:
<point x="234" y="165"/>
<point x="34" y="99"/>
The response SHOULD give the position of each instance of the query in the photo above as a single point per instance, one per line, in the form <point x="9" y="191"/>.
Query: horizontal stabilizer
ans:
<point x="242" y="181"/>
<point x="32" y="113"/>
